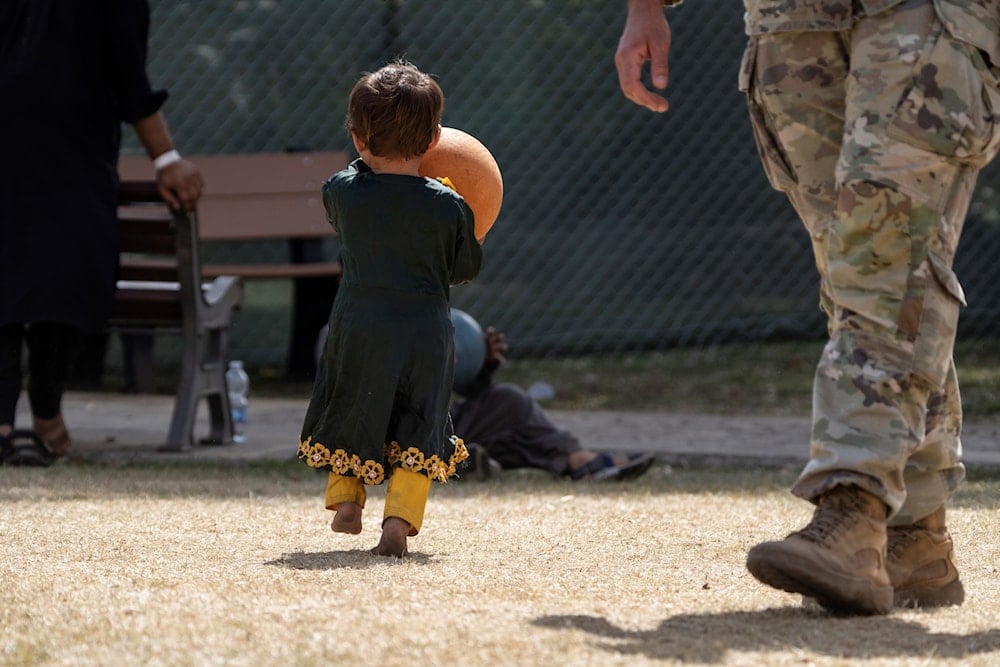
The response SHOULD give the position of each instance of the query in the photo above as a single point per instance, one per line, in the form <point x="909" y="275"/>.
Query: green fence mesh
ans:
<point x="620" y="230"/>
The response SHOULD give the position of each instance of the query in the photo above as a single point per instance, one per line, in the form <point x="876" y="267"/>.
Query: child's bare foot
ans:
<point x="347" y="519"/>
<point x="393" y="542"/>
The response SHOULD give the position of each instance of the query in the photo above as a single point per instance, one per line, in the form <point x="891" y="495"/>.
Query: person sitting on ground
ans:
<point x="504" y="427"/>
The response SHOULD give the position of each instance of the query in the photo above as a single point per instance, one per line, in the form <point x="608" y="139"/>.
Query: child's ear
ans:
<point x="359" y="145"/>
<point x="435" y="139"/>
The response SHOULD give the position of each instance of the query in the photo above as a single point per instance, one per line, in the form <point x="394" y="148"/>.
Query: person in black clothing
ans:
<point x="70" y="73"/>
<point x="505" y="428"/>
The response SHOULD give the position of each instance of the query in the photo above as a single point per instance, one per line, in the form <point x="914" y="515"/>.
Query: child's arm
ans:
<point x="468" y="251"/>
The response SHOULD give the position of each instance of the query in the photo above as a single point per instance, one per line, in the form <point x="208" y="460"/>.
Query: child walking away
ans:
<point x="379" y="409"/>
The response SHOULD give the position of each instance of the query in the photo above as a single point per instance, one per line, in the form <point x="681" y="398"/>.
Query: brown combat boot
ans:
<point x="838" y="558"/>
<point x="921" y="564"/>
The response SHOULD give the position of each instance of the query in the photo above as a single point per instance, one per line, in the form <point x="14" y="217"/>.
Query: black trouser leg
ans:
<point x="515" y="430"/>
<point x="11" y="340"/>
<point x="52" y="350"/>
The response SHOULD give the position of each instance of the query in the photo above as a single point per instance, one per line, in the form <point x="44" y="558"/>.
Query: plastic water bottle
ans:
<point x="238" y="386"/>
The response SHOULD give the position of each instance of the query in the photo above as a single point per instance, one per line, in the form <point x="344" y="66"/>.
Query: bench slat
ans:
<point x="146" y="231"/>
<point x="157" y="269"/>
<point x="263" y="216"/>
<point x="257" y="196"/>
<point x="272" y="271"/>
<point x="164" y="270"/>
<point x="148" y="306"/>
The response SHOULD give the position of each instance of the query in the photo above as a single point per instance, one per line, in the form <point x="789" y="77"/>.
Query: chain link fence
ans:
<point x="621" y="229"/>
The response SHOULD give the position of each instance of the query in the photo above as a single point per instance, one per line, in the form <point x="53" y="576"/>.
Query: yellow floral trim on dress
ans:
<point x="393" y="453"/>
<point x="370" y="472"/>
<point x="342" y="463"/>
<point x="316" y="455"/>
<point x="412" y="460"/>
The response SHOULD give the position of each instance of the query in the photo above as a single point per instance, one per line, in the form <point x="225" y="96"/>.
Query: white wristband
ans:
<point x="166" y="159"/>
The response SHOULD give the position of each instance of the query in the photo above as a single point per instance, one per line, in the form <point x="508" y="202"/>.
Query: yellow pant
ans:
<point x="405" y="495"/>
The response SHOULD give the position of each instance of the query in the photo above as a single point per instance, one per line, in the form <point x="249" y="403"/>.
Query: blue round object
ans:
<point x="470" y="348"/>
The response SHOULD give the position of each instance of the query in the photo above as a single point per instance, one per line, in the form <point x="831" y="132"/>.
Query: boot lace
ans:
<point x="825" y="522"/>
<point x="899" y="540"/>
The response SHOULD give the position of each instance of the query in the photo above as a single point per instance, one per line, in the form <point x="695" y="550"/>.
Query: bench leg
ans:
<point x="181" y="430"/>
<point x="312" y="299"/>
<point x="220" y="416"/>
<point x="203" y="375"/>
<point x="88" y="372"/>
<point x="137" y="363"/>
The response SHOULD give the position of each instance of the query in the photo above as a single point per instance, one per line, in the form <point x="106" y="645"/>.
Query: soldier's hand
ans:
<point x="646" y="37"/>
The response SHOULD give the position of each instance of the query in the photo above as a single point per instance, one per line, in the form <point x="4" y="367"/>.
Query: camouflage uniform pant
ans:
<point x="877" y="134"/>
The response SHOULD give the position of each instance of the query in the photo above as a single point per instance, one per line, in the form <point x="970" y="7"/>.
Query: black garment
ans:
<point x="513" y="428"/>
<point x="51" y="349"/>
<point x="384" y="383"/>
<point x="70" y="72"/>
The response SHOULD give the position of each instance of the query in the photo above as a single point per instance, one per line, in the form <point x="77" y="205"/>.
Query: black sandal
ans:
<point x="602" y="468"/>
<point x="637" y="466"/>
<point x="24" y="448"/>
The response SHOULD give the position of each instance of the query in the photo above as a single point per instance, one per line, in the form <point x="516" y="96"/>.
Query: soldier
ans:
<point x="874" y="117"/>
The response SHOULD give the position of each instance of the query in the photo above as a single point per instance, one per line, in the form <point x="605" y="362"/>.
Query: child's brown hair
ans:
<point x="395" y="111"/>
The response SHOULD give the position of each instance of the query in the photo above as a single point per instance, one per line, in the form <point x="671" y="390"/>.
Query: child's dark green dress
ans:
<point x="384" y="381"/>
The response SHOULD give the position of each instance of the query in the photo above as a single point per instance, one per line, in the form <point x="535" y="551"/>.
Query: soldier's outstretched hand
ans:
<point x="645" y="38"/>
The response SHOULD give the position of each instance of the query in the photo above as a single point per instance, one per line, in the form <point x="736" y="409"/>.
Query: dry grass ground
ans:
<point x="211" y="566"/>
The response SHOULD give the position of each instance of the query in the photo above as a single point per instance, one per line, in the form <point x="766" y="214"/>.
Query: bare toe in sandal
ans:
<point x="55" y="435"/>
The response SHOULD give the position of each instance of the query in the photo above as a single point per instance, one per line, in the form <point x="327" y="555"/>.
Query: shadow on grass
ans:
<point x="353" y="559"/>
<point x="709" y="637"/>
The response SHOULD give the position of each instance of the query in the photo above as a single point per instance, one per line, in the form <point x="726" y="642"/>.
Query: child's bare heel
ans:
<point x="347" y="519"/>
<point x="393" y="542"/>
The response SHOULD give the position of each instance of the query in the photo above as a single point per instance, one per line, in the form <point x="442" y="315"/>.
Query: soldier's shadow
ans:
<point x="708" y="638"/>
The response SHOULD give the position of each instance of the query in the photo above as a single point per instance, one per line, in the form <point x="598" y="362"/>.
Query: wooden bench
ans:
<point x="270" y="198"/>
<point x="160" y="288"/>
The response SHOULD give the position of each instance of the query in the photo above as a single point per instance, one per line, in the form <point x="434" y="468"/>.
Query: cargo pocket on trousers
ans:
<point x="779" y="173"/>
<point x="990" y="72"/>
<point x="952" y="107"/>
<point x="935" y="340"/>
